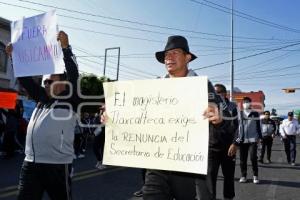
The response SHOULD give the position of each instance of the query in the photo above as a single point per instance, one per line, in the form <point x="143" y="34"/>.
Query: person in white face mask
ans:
<point x="249" y="136"/>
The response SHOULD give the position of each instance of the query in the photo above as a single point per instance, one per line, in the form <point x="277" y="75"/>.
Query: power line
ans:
<point x="246" y="16"/>
<point x="226" y="52"/>
<point x="112" y="34"/>
<point x="246" y="69"/>
<point x="261" y="77"/>
<point x="123" y="55"/>
<point x="126" y="57"/>
<point x="260" y="19"/>
<point x="159" y="41"/>
<point x="120" y="26"/>
<point x="130" y="68"/>
<point x="109" y="74"/>
<point x="269" y="71"/>
<point x="151" y="55"/>
<point x="87" y="30"/>
<point x="268" y="77"/>
<point x="272" y="71"/>
<point x="146" y="74"/>
<point x="141" y="23"/>
<point x="248" y="47"/>
<point x="268" y="61"/>
<point x="249" y="56"/>
<point x="123" y="70"/>
<point x="133" y="75"/>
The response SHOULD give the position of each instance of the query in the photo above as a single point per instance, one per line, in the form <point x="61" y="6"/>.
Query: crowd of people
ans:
<point x="52" y="145"/>
<point x="13" y="127"/>
<point x="88" y="128"/>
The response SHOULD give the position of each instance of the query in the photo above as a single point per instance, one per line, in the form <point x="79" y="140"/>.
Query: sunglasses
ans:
<point x="48" y="81"/>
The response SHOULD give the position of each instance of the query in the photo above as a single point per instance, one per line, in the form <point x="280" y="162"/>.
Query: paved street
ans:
<point x="279" y="180"/>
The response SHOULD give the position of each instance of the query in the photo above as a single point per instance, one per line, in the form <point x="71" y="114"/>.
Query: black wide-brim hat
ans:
<point x="175" y="42"/>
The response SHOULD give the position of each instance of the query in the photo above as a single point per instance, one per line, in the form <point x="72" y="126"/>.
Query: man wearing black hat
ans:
<point x="288" y="130"/>
<point x="168" y="185"/>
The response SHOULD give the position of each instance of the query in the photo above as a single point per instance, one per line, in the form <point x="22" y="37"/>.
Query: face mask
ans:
<point x="246" y="106"/>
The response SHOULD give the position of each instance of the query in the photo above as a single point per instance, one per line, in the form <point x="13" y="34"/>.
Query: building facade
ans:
<point x="258" y="99"/>
<point x="7" y="79"/>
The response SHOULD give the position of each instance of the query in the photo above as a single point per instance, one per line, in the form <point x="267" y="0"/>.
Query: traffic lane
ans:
<point x="10" y="170"/>
<point x="279" y="180"/>
<point x="112" y="184"/>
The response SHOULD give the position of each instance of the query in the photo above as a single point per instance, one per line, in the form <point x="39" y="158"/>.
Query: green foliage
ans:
<point x="92" y="85"/>
<point x="297" y="114"/>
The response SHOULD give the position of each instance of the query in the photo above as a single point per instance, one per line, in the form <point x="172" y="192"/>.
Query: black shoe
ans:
<point x="138" y="193"/>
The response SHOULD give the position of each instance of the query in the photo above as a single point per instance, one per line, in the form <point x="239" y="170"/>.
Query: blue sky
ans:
<point x="134" y="25"/>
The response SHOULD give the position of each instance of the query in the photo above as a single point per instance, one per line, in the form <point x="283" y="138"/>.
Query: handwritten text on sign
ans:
<point x="157" y="124"/>
<point x="36" y="50"/>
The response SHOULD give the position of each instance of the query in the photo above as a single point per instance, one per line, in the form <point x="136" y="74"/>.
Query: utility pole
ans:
<point x="232" y="58"/>
<point x="118" y="67"/>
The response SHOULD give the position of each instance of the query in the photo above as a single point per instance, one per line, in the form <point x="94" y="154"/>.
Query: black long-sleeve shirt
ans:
<point x="50" y="132"/>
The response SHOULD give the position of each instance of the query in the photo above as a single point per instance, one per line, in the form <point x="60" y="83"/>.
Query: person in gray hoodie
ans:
<point x="50" y="134"/>
<point x="249" y="136"/>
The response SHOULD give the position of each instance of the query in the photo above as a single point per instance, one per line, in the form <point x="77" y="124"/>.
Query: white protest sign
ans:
<point x="35" y="48"/>
<point x="157" y="124"/>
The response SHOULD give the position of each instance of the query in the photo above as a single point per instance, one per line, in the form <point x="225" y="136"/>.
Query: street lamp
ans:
<point x="290" y="90"/>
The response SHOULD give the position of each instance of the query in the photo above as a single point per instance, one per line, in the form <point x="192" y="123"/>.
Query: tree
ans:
<point x="297" y="114"/>
<point x="91" y="85"/>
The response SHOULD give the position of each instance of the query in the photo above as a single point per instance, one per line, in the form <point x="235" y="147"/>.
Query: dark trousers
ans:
<point x="98" y="146"/>
<point x="143" y="177"/>
<point x="35" y="178"/>
<point x="78" y="142"/>
<point x="9" y="143"/>
<point x="244" y="149"/>
<point x="290" y="148"/>
<point x="206" y="185"/>
<point x="267" y="141"/>
<point x="166" y="185"/>
<point x="85" y="137"/>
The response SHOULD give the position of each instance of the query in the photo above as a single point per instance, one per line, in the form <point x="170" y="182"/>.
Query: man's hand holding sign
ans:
<point x="158" y="128"/>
